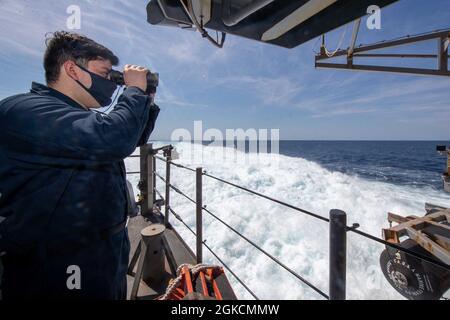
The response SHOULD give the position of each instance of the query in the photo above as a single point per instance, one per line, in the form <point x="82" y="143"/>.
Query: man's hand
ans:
<point x="135" y="76"/>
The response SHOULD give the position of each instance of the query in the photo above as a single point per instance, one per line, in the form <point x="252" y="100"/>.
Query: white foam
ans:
<point x="300" y="241"/>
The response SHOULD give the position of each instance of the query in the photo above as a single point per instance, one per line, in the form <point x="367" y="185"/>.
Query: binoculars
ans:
<point x="152" y="80"/>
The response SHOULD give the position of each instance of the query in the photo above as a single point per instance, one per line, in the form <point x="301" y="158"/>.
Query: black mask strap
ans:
<point x="78" y="81"/>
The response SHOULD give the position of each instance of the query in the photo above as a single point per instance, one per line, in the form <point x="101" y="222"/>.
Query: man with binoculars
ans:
<point x="63" y="193"/>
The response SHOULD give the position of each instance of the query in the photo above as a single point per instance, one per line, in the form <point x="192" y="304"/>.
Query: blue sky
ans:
<point x="246" y="84"/>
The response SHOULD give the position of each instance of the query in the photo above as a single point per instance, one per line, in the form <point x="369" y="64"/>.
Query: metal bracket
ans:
<point x="366" y="51"/>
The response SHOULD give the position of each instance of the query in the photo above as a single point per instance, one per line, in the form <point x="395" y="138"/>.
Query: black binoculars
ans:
<point x="152" y="80"/>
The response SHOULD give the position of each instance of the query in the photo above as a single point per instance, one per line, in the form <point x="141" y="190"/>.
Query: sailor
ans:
<point x="63" y="204"/>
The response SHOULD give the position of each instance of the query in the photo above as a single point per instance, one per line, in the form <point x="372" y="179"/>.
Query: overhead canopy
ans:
<point x="281" y="22"/>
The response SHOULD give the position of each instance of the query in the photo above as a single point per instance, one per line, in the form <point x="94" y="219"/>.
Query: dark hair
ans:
<point x="63" y="46"/>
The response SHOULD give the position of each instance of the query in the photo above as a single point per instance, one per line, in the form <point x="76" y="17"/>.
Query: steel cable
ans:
<point x="177" y="216"/>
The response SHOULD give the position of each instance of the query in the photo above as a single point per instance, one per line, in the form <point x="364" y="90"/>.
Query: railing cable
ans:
<point x="175" y="164"/>
<point x="396" y="246"/>
<point x="277" y="261"/>
<point x="269" y="198"/>
<point x="250" y="191"/>
<point x="177" y="216"/>
<point x="351" y="229"/>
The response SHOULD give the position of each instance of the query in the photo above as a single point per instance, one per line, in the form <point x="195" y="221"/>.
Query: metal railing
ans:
<point x="337" y="221"/>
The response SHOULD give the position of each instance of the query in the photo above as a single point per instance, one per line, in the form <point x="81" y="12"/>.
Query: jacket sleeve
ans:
<point x="150" y="125"/>
<point x="49" y="128"/>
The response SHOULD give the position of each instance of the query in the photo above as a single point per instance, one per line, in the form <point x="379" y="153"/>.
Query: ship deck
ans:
<point x="177" y="252"/>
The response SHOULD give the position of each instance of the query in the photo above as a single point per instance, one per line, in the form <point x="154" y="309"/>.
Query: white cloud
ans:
<point x="411" y="95"/>
<point x="280" y="91"/>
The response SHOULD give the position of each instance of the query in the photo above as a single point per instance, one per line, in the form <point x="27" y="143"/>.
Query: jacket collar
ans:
<point x="47" y="91"/>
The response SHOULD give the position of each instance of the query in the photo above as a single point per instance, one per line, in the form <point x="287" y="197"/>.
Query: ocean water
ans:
<point x="409" y="163"/>
<point x="365" y="179"/>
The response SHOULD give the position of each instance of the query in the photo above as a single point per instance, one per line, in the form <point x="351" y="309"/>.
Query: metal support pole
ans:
<point x="323" y="52"/>
<point x="167" y="198"/>
<point x="338" y="254"/>
<point x="151" y="181"/>
<point x="199" y="211"/>
<point x="442" y="54"/>
<point x="154" y="177"/>
<point x="353" y="42"/>
<point x="145" y="150"/>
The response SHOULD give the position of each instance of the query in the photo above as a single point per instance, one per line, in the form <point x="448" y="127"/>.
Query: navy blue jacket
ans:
<point x="62" y="181"/>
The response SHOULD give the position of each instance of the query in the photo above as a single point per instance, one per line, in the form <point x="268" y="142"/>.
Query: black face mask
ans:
<point x="101" y="89"/>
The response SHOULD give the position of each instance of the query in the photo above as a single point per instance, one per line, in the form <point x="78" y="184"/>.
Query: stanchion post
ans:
<point x="151" y="181"/>
<point x="338" y="254"/>
<point x="143" y="186"/>
<point x="167" y="197"/>
<point x="199" y="214"/>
